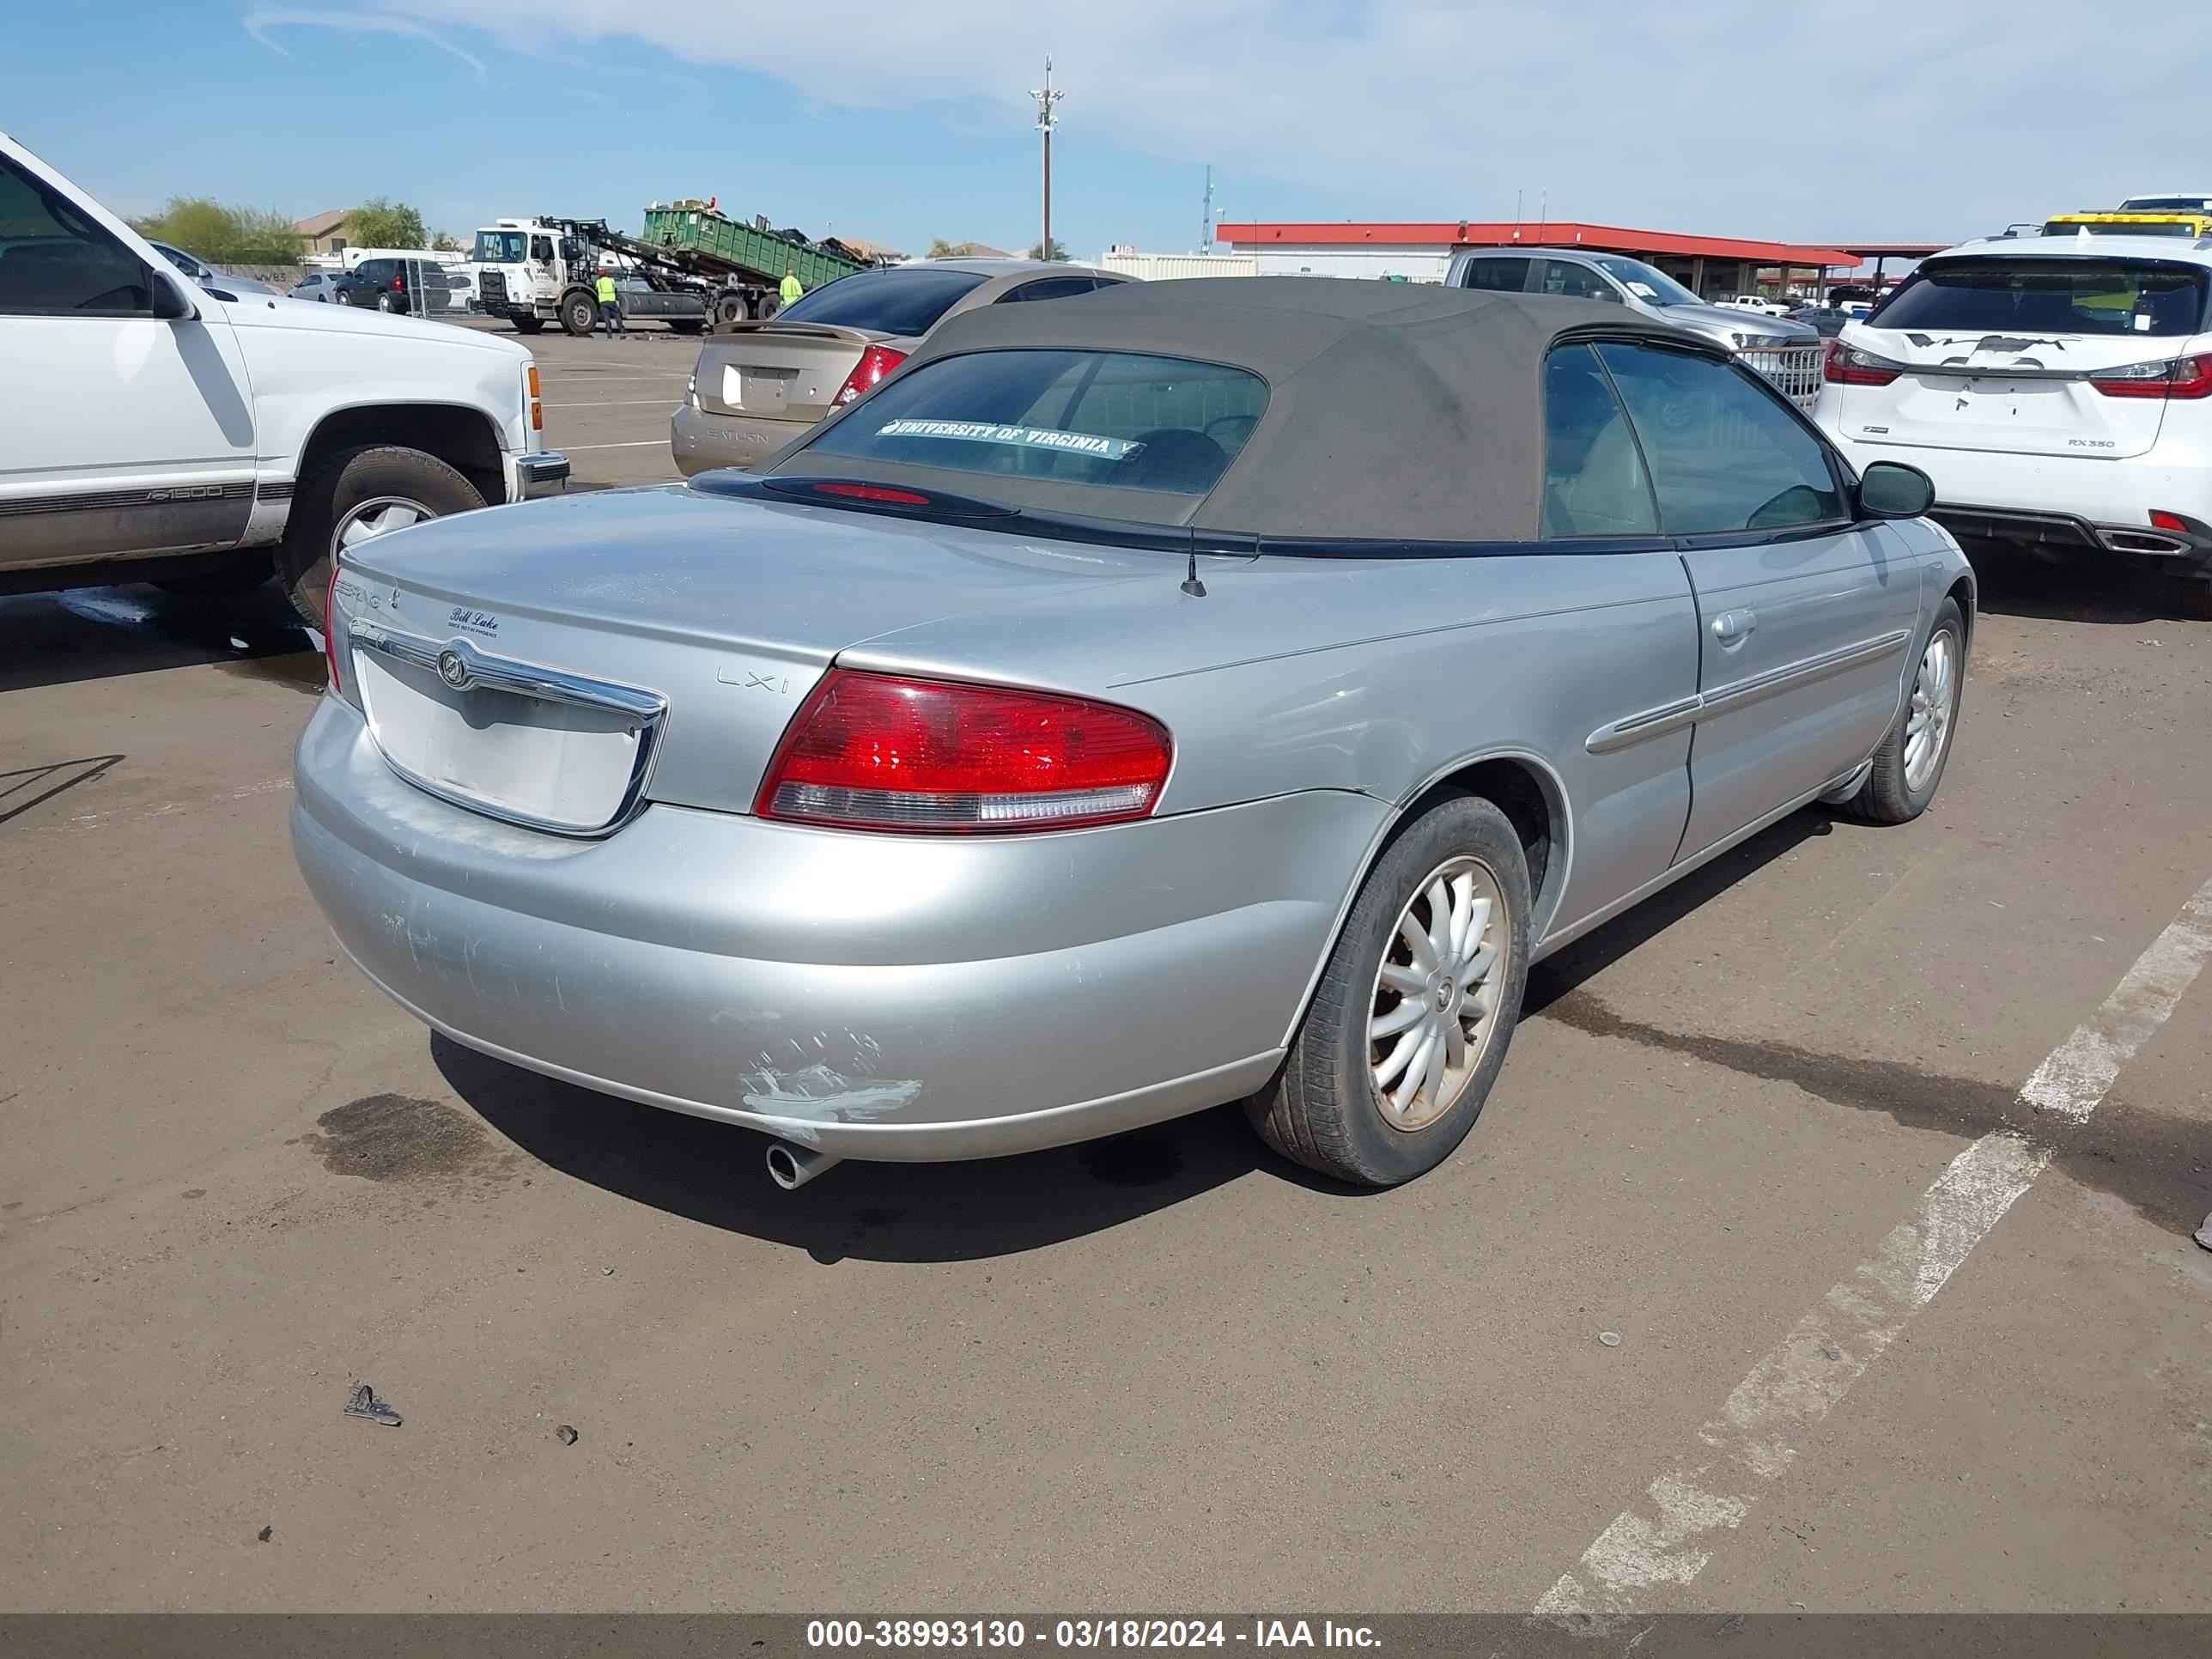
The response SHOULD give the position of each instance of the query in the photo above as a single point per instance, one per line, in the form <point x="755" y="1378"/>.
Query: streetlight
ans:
<point x="1048" y="102"/>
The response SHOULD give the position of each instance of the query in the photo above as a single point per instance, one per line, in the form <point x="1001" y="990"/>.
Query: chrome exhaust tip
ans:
<point x="792" y="1167"/>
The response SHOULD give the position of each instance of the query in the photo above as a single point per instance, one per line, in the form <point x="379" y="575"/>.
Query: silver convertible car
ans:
<point x="1188" y="692"/>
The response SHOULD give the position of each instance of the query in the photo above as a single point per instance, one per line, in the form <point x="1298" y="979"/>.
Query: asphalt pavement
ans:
<point x="1759" y="1285"/>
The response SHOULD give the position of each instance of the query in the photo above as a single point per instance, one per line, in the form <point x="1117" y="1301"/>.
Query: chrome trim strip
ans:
<point x="102" y="501"/>
<point x="1740" y="694"/>
<point x="1651" y="723"/>
<point x="647" y="708"/>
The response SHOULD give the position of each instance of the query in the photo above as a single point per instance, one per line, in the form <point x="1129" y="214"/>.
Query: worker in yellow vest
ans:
<point x="611" y="317"/>
<point x="789" y="289"/>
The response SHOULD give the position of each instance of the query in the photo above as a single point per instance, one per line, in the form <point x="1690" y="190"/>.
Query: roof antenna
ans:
<point x="1191" y="585"/>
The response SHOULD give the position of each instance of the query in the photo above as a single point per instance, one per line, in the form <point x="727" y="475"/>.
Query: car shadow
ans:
<point x="1598" y="950"/>
<point x="715" y="1174"/>
<point x="2013" y="582"/>
<point x="100" y="633"/>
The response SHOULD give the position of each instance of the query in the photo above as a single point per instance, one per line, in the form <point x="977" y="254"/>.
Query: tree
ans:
<point x="215" y="233"/>
<point x="381" y="222"/>
<point x="1055" y="251"/>
<point x="941" y="249"/>
<point x="444" y="242"/>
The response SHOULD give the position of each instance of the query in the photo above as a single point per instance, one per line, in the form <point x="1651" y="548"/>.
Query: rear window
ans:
<point x="899" y="301"/>
<point x="1120" y="419"/>
<point x="2049" y="296"/>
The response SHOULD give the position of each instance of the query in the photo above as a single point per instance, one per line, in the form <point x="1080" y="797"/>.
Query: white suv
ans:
<point x="2058" y="390"/>
<point x="155" y="430"/>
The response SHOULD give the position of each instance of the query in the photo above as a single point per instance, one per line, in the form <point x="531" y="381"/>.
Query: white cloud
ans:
<point x="259" y="23"/>
<point x="1714" y="115"/>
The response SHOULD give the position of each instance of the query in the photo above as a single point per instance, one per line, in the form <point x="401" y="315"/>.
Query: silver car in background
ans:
<point x="1189" y="692"/>
<point x="207" y="276"/>
<point x="758" y="386"/>
<point x="1616" y="279"/>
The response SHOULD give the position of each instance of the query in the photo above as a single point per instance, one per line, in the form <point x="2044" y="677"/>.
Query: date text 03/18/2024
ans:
<point x="831" y="1634"/>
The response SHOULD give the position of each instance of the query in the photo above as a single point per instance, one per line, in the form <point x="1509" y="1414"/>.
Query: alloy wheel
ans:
<point x="1435" y="1003"/>
<point x="1935" y="701"/>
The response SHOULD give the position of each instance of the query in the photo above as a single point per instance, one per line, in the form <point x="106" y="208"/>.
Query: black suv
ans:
<point x="390" y="285"/>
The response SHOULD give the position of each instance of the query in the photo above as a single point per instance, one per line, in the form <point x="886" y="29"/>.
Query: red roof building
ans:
<point x="1715" y="266"/>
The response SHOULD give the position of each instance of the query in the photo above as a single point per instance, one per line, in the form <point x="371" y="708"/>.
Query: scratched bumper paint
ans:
<point x="877" y="996"/>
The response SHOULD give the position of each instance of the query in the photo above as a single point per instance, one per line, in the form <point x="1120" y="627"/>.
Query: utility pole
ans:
<point x="1048" y="102"/>
<point x="1205" y="230"/>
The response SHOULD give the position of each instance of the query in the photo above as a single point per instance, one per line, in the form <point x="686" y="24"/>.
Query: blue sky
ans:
<point x="899" y="121"/>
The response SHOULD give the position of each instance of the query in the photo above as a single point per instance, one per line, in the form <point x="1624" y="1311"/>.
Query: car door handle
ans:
<point x="1730" y="626"/>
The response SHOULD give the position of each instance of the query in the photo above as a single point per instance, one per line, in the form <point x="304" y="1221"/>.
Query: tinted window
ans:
<point x="1499" y="276"/>
<point x="2049" y="296"/>
<point x="1114" y="418"/>
<point x="1594" y="480"/>
<point x="1564" y="277"/>
<point x="1052" y="288"/>
<point x="541" y="248"/>
<point x="53" y="259"/>
<point x="376" y="270"/>
<point x="1724" y="452"/>
<point x="907" y="300"/>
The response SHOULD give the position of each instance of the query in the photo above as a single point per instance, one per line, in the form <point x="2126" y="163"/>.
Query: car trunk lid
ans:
<point x="560" y="663"/>
<point x="779" y="371"/>
<point x="2004" y="392"/>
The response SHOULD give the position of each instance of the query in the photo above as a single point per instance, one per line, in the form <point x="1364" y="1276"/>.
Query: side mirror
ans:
<point x="171" y="303"/>
<point x="1890" y="489"/>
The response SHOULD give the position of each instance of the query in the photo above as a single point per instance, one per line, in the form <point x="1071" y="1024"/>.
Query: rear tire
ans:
<point x="730" y="310"/>
<point x="1905" y="777"/>
<point x="2191" y="596"/>
<point x="342" y="486"/>
<point x="577" y="312"/>
<point x="1325" y="1108"/>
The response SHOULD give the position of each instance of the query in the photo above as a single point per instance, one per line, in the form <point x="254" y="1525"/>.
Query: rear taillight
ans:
<point x="398" y="284"/>
<point x="2180" y="377"/>
<point x="875" y="362"/>
<point x="878" y="751"/>
<point x="1846" y="365"/>
<point x="331" y="625"/>
<point x="2163" y="520"/>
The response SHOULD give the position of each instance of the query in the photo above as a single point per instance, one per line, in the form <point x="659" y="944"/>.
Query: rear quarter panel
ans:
<point x="1381" y="676"/>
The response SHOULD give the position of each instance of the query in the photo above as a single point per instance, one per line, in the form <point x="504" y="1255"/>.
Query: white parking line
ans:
<point x="1665" y="1541"/>
<point x="618" y="403"/>
<point x="635" y="443"/>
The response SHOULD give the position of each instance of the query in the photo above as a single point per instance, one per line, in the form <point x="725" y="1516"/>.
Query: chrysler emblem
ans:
<point x="452" y="670"/>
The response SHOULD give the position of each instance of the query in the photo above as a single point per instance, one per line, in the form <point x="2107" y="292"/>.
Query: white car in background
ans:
<point x="2056" y="389"/>
<point x="321" y="285"/>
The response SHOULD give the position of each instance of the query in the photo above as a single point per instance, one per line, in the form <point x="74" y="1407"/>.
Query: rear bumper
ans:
<point x="703" y="443"/>
<point x="2099" y="507"/>
<point x="902" y="998"/>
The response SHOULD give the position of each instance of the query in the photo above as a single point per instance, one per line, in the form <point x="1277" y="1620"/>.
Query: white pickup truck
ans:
<point x="157" y="430"/>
